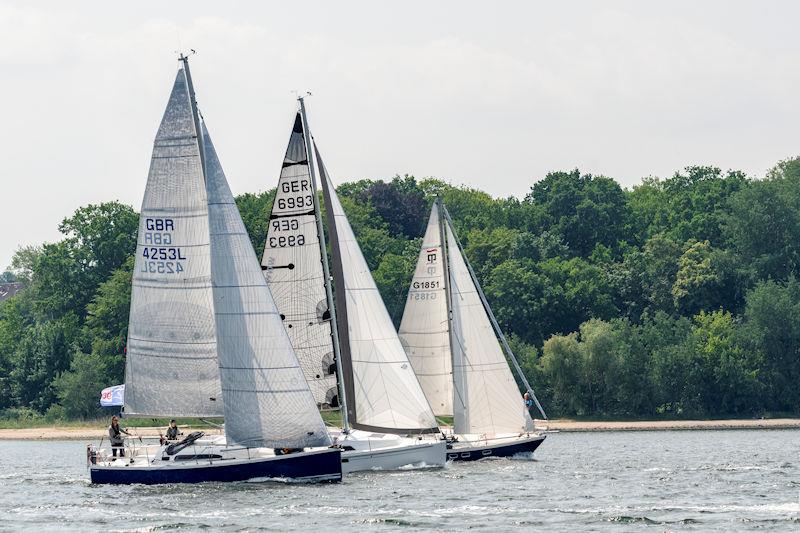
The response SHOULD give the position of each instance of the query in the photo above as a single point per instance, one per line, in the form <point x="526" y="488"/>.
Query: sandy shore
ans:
<point x="71" y="433"/>
<point x="95" y="433"/>
<point x="660" y="425"/>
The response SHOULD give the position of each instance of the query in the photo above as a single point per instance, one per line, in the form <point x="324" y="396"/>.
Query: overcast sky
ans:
<point x="492" y="95"/>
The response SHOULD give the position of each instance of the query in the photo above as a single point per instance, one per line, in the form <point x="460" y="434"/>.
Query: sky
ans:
<point x="491" y="95"/>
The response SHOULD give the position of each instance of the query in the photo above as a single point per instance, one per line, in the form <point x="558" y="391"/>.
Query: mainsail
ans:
<point x="171" y="364"/>
<point x="424" y="329"/>
<point x="382" y="392"/>
<point x="267" y="399"/>
<point x="487" y="399"/>
<point x="293" y="269"/>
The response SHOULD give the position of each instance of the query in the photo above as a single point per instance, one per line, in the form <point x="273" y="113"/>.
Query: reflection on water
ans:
<point x="669" y="480"/>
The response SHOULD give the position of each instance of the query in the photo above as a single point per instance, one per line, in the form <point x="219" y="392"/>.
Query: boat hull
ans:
<point x="427" y="454"/>
<point x="313" y="466"/>
<point x="473" y="451"/>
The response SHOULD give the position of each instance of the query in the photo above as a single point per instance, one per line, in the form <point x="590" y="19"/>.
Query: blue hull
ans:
<point x="322" y="466"/>
<point x="473" y="453"/>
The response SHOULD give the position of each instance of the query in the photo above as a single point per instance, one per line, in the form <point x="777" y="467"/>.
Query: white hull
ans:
<point x="364" y="451"/>
<point x="428" y="454"/>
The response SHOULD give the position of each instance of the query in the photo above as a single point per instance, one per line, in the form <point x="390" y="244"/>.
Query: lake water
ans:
<point x="664" y="480"/>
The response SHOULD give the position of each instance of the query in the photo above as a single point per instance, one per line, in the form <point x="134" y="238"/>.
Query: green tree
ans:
<point x="24" y="261"/>
<point x="772" y="329"/>
<point x="79" y="389"/>
<point x="585" y="210"/>
<point x="764" y="223"/>
<point x="255" y="210"/>
<point x="699" y="282"/>
<point x="674" y="368"/>
<point x="643" y="281"/>
<point x="42" y="353"/>
<point x="576" y="292"/>
<point x="102" y="235"/>
<point x="400" y="203"/>
<point x="600" y="366"/>
<point x="731" y="382"/>
<point x="488" y="248"/>
<point x="392" y="278"/>
<point x="519" y="294"/>
<point x="16" y="317"/>
<point x="560" y="366"/>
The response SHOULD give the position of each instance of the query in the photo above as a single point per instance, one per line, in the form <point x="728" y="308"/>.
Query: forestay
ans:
<point x="171" y="364"/>
<point x="267" y="400"/>
<point x="487" y="399"/>
<point x="424" y="330"/>
<point x="293" y="269"/>
<point x="383" y="393"/>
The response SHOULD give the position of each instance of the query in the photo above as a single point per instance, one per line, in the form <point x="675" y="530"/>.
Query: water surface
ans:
<point x="618" y="481"/>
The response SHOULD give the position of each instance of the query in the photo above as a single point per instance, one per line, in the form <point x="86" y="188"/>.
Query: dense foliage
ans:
<point x="674" y="298"/>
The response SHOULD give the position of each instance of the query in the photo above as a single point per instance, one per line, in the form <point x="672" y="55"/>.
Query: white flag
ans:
<point x="112" y="396"/>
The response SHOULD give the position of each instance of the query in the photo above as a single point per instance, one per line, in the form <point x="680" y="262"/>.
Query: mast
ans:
<point x="195" y="115"/>
<point x="492" y="318"/>
<point x="325" y="268"/>
<point x="457" y="400"/>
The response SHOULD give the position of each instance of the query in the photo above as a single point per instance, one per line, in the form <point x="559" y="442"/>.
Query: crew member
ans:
<point x="115" y="436"/>
<point x="172" y="431"/>
<point x="528" y="400"/>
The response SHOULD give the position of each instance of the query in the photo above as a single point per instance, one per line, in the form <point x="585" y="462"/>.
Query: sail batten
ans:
<point x="292" y="265"/>
<point x="382" y="392"/>
<point x="171" y="362"/>
<point x="267" y="399"/>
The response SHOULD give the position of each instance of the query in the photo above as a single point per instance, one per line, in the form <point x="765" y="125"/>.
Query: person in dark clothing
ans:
<point x="115" y="436"/>
<point x="172" y="431"/>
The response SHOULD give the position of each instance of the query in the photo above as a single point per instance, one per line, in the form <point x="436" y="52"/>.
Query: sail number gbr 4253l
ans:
<point x="159" y="257"/>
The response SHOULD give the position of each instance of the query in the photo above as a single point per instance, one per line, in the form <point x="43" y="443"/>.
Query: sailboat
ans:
<point x="348" y="347"/>
<point x="205" y="339"/>
<point x="459" y="352"/>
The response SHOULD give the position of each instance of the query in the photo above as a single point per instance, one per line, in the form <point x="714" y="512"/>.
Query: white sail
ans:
<point x="171" y="364"/>
<point x="487" y="399"/>
<point x="424" y="329"/>
<point x="382" y="392"/>
<point x="293" y="269"/>
<point x="267" y="400"/>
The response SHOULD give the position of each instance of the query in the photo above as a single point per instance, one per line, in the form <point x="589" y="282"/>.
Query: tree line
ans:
<point x="674" y="298"/>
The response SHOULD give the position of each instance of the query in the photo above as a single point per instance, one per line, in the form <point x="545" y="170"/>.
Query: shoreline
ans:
<point x="56" y="432"/>
<point x="563" y="425"/>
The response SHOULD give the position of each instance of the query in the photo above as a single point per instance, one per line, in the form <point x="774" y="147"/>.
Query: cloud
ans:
<point x="493" y="98"/>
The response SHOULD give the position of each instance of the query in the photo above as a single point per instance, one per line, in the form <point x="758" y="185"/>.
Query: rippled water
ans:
<point x="665" y="480"/>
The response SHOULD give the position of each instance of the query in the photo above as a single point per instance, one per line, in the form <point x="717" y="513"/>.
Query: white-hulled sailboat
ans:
<point x="387" y="422"/>
<point x="457" y="350"/>
<point x="205" y="339"/>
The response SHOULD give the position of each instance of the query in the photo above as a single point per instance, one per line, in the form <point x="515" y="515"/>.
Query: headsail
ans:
<point x="267" y="400"/>
<point x="424" y="329"/>
<point x="487" y="399"/>
<point x="383" y="393"/>
<point x="293" y="269"/>
<point x="171" y="365"/>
